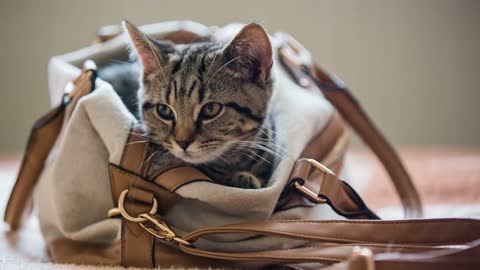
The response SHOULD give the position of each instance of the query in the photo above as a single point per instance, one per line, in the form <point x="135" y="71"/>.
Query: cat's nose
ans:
<point x="184" y="144"/>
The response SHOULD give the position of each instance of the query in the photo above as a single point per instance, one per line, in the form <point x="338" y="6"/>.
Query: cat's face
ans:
<point x="199" y="100"/>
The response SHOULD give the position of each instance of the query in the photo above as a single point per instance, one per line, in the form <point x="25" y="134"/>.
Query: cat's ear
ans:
<point x="151" y="53"/>
<point x="250" y="53"/>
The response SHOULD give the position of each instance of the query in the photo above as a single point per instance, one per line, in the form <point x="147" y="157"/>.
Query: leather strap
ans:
<point x="354" y="114"/>
<point x="316" y="78"/>
<point x="42" y="138"/>
<point x="333" y="240"/>
<point x="320" y="185"/>
<point x="330" y="145"/>
<point x="135" y="152"/>
<point x="175" y="178"/>
<point x="138" y="245"/>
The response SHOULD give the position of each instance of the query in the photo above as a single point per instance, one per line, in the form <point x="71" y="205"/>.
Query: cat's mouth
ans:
<point x="192" y="157"/>
<point x="195" y="155"/>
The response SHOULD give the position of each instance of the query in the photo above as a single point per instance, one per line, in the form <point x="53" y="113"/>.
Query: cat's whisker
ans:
<point x="264" y="148"/>
<point x="250" y="151"/>
<point x="222" y="158"/>
<point x="137" y="142"/>
<point x="224" y="65"/>
<point x="275" y="146"/>
<point x="118" y="61"/>
<point x="150" y="157"/>
<point x="264" y="144"/>
<point x="143" y="135"/>
<point x="156" y="57"/>
<point x="140" y="134"/>
<point x="269" y="151"/>
<point x="248" y="155"/>
<point x="266" y="130"/>
<point x="213" y="60"/>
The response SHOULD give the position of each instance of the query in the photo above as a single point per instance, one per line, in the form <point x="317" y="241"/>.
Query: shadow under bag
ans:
<point x="86" y="170"/>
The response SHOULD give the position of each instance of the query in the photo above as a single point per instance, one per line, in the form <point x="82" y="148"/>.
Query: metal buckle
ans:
<point x="307" y="192"/>
<point x="319" y="166"/>
<point x="160" y="229"/>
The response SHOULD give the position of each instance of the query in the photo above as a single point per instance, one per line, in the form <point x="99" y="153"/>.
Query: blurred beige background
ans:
<point x="415" y="65"/>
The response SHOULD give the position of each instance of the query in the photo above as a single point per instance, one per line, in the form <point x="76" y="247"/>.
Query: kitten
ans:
<point x="208" y="104"/>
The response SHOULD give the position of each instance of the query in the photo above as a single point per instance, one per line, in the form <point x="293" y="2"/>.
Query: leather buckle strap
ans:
<point x="299" y="183"/>
<point x="299" y="64"/>
<point x="320" y="185"/>
<point x="451" y="241"/>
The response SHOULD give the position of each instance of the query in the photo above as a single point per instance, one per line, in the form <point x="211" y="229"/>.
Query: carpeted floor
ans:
<point x="448" y="179"/>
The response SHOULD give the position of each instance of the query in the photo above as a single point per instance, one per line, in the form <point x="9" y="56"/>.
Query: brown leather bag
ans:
<point x="361" y="242"/>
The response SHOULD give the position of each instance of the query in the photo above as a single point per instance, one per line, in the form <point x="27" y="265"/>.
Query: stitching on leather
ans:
<point x="189" y="182"/>
<point x="204" y="232"/>
<point x="254" y="257"/>
<point x="123" y="243"/>
<point x="310" y="248"/>
<point x="127" y="145"/>
<point x="389" y="243"/>
<point x="113" y="185"/>
<point x="383" y="222"/>
<point x="323" y="238"/>
<point x="130" y="178"/>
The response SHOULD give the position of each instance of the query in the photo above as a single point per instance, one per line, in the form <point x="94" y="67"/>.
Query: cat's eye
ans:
<point x="165" y="112"/>
<point x="210" y="110"/>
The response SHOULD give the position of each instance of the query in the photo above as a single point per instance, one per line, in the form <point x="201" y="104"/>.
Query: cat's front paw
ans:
<point x="245" y="180"/>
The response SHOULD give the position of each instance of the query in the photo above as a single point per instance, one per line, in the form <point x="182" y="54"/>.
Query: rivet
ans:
<point x="304" y="82"/>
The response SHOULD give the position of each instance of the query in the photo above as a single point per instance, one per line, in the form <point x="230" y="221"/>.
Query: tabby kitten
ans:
<point x="208" y="104"/>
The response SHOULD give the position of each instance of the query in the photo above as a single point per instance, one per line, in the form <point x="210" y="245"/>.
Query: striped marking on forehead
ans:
<point x="188" y="71"/>
<point x="192" y="56"/>
<point x="187" y="87"/>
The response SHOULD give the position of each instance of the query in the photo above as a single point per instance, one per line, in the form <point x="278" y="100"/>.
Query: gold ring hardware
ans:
<point x="138" y="219"/>
<point x="161" y="229"/>
<point x="113" y="212"/>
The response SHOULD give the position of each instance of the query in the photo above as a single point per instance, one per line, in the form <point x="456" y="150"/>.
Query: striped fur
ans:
<point x="183" y="85"/>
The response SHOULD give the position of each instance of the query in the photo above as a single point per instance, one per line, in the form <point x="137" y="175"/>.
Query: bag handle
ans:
<point x="42" y="138"/>
<point x="315" y="77"/>
<point x="333" y="240"/>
